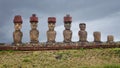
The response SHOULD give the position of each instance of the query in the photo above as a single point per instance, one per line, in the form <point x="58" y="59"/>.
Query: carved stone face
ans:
<point x="33" y="25"/>
<point x="67" y="26"/>
<point x="82" y="26"/>
<point x="18" y="26"/>
<point x="51" y="26"/>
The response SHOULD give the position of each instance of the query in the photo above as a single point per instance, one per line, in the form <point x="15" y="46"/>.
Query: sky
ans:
<point x="99" y="15"/>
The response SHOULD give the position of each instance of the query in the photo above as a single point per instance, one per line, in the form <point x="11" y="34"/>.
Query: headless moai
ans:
<point x="110" y="39"/>
<point x="17" y="34"/>
<point x="67" y="33"/>
<point x="34" y="33"/>
<point x="51" y="33"/>
<point x="97" y="37"/>
<point x="82" y="34"/>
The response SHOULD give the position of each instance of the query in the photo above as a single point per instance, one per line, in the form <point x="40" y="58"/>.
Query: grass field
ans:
<point x="82" y="58"/>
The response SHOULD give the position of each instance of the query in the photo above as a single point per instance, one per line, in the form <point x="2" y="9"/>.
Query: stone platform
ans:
<point x="56" y="46"/>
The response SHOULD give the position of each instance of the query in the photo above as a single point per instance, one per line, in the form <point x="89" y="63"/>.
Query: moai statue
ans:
<point x="17" y="34"/>
<point x="110" y="39"/>
<point x="67" y="33"/>
<point x="97" y="37"/>
<point x="51" y="33"/>
<point x="34" y="33"/>
<point x="82" y="33"/>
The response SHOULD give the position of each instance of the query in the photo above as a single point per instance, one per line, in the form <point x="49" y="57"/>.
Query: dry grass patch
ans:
<point x="82" y="58"/>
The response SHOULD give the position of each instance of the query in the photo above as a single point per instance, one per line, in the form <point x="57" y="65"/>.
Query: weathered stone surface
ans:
<point x="17" y="26"/>
<point x="17" y="19"/>
<point x="82" y="36"/>
<point x="82" y="33"/>
<point x="67" y="33"/>
<point x="82" y="26"/>
<point x="67" y="36"/>
<point x="51" y="20"/>
<point x="17" y="34"/>
<point x="110" y="39"/>
<point x="67" y="19"/>
<point x="51" y="34"/>
<point x="97" y="36"/>
<point x="34" y="33"/>
<point x="33" y="18"/>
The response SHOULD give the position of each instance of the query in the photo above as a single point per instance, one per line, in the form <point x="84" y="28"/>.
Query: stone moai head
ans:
<point x="110" y="38"/>
<point x="17" y="22"/>
<point x="67" y="22"/>
<point x="97" y="36"/>
<point x="33" y="21"/>
<point x="82" y="26"/>
<point x="82" y="33"/>
<point x="51" y="23"/>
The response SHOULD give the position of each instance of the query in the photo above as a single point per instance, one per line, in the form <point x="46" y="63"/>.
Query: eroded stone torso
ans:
<point x="34" y="34"/>
<point x="17" y="35"/>
<point x="83" y="36"/>
<point x="67" y="35"/>
<point x="51" y="35"/>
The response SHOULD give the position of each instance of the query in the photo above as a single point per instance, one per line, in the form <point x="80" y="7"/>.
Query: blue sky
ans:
<point x="99" y="15"/>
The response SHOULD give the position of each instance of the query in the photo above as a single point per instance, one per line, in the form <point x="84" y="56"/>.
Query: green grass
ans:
<point x="82" y="58"/>
<point x="112" y="66"/>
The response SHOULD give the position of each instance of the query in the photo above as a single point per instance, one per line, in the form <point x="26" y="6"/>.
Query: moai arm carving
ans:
<point x="82" y="36"/>
<point x="67" y="35"/>
<point x="17" y="36"/>
<point x="34" y="34"/>
<point x="51" y="35"/>
<point x="55" y="36"/>
<point x="70" y="35"/>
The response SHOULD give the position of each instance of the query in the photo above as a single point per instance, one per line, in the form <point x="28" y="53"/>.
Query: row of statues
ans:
<point x="51" y="33"/>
